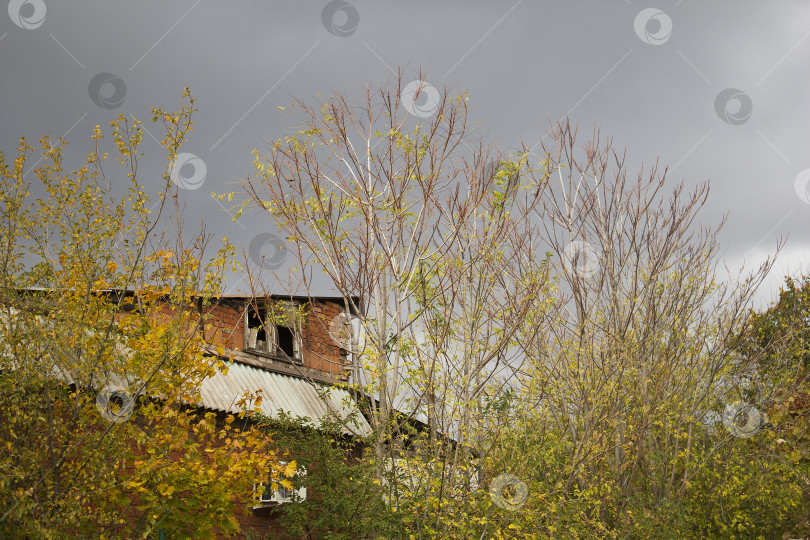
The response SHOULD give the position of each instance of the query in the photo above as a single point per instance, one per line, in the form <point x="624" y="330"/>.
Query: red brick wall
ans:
<point x="254" y="523"/>
<point x="262" y="523"/>
<point x="322" y="352"/>
<point x="224" y="325"/>
<point x="163" y="313"/>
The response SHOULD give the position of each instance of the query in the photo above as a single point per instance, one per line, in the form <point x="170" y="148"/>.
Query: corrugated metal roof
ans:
<point x="296" y="397"/>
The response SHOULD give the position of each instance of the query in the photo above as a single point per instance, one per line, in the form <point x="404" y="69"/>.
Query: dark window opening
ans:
<point x="280" y="491"/>
<point x="286" y="341"/>
<point x="275" y="339"/>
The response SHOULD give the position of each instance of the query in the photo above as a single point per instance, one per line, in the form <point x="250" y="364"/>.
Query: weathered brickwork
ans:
<point x="321" y="351"/>
<point x="224" y="324"/>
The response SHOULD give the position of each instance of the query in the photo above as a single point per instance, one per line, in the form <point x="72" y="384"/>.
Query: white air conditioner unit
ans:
<point x="281" y="495"/>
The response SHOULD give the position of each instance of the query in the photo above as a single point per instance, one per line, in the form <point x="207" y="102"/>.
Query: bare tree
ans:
<point x="632" y="356"/>
<point x="429" y="229"/>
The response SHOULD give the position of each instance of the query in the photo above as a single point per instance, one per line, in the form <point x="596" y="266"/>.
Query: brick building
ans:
<point x="288" y="350"/>
<point x="282" y="332"/>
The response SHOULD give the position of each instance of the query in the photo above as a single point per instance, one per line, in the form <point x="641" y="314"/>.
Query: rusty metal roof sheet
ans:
<point x="296" y="397"/>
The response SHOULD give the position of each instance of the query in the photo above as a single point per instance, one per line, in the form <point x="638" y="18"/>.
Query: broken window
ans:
<point x="281" y="494"/>
<point x="272" y="329"/>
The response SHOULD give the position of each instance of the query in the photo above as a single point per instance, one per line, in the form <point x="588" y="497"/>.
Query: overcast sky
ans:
<point x="718" y="92"/>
